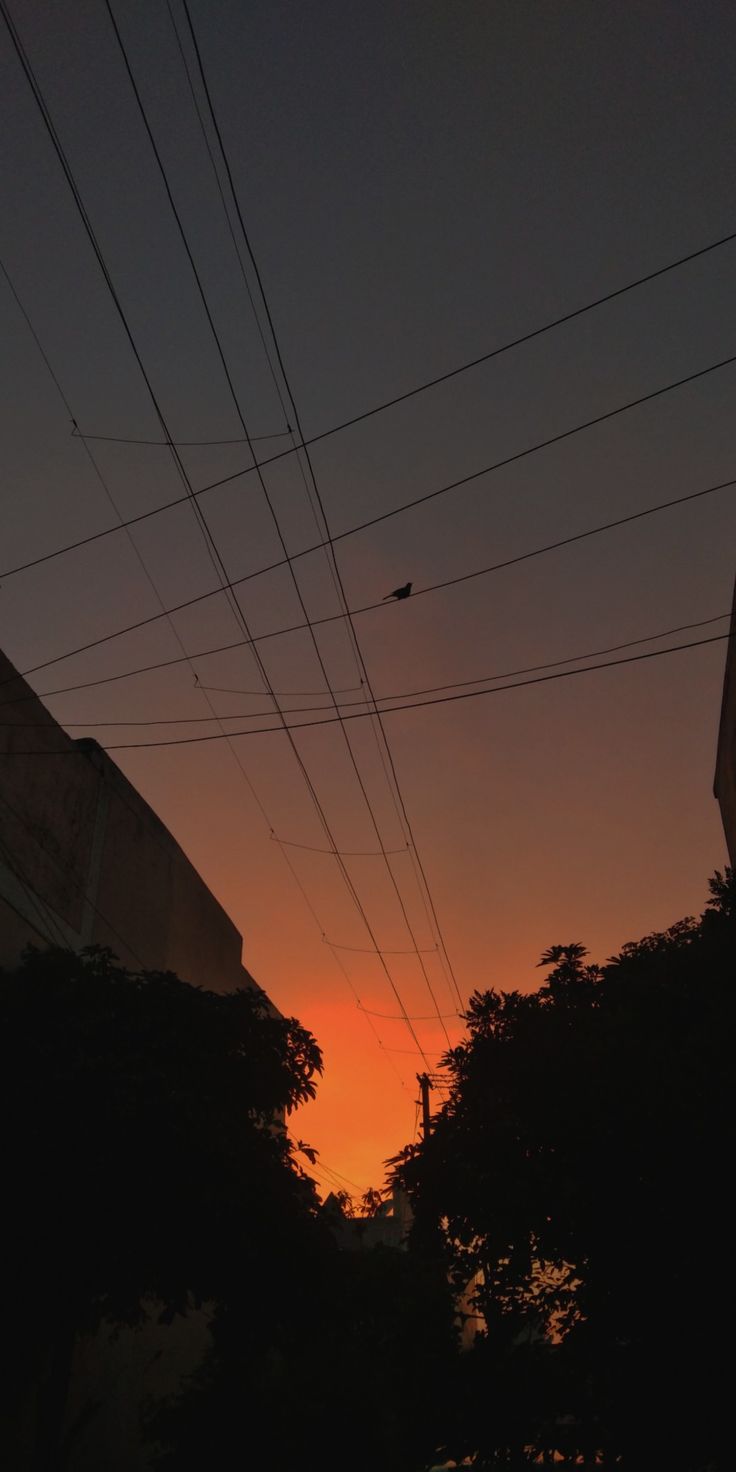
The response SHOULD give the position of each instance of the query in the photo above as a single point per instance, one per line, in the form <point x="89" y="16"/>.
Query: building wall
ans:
<point x="84" y="860"/>
<point x="725" y="779"/>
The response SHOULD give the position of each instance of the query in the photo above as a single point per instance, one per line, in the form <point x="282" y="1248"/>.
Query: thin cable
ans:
<point x="236" y="247"/>
<point x="316" y="489"/>
<point x="433" y="1052"/>
<point x="116" y="439"/>
<point x="391" y="710"/>
<point x="488" y="571"/>
<point x="211" y="547"/>
<point x="302" y="436"/>
<point x="41" y="909"/>
<point x="139" y="556"/>
<point x="226" y="212"/>
<point x="79" y="203"/>
<point x="78" y="885"/>
<point x="366" y="951"/>
<point x="264" y="489"/>
<point x="337" y="958"/>
<point x="464" y="480"/>
<point x="397" y="510"/>
<point x="347" y="853"/>
<point x="333" y="1180"/>
<point x="496" y="352"/>
<point x="330" y="1170"/>
<point x="61" y="939"/>
<point x="392" y="696"/>
<point x="338" y="961"/>
<point x="42" y="934"/>
<point x="402" y="695"/>
<point x="60" y="936"/>
<point x="282" y="694"/>
<point x="382" y="744"/>
<point x="394" y="1017"/>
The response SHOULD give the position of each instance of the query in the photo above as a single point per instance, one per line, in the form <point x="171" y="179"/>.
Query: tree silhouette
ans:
<point x="140" y="1159"/>
<point x="578" y="1176"/>
<point x="362" y="1376"/>
<point x="371" y="1202"/>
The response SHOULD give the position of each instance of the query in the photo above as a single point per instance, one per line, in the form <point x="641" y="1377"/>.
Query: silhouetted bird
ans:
<point x="400" y="592"/>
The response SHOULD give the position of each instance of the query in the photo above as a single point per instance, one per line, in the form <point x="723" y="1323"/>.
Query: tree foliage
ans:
<point x="140" y="1155"/>
<point x="145" y="1166"/>
<point x="361" y="1377"/>
<point x="578" y="1176"/>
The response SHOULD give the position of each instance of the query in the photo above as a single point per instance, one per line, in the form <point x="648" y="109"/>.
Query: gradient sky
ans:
<point x="421" y="182"/>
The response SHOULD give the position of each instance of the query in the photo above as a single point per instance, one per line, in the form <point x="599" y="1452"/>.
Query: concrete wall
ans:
<point x="84" y="860"/>
<point x="725" y="779"/>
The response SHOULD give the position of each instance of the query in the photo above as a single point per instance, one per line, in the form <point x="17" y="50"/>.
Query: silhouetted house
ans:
<point x="725" y="779"/>
<point x="85" y="861"/>
<point x="389" y="1227"/>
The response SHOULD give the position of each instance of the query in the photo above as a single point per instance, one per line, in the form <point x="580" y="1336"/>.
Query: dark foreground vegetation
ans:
<point x="575" y="1188"/>
<point x="579" y="1179"/>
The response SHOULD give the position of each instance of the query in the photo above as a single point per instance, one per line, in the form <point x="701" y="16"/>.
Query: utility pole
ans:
<point x="424" y="1087"/>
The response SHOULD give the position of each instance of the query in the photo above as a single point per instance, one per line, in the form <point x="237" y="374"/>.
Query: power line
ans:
<point x="391" y="696"/>
<point x="282" y="694"/>
<point x="315" y="439"/>
<point x="389" y="1017"/>
<point x="241" y="263"/>
<point x="433" y="1052"/>
<point x="42" y="934"/>
<point x="211" y="547"/>
<point x="495" y="567"/>
<point x="331" y="559"/>
<point x="361" y="660"/>
<point x="116" y="439"/>
<point x="49" y="918"/>
<point x="569" y="659"/>
<point x="391" y="710"/>
<point x="136" y="550"/>
<point x="506" y="347"/>
<point x="365" y="950"/>
<point x="228" y="583"/>
<point x="347" y="853"/>
<point x="96" y="468"/>
<point x="428" y="496"/>
<point x="262" y="483"/>
<point x="47" y="921"/>
<point x="386" y="696"/>
<point x="79" y="203"/>
<point x="331" y="1176"/>
<point x="573" y="671"/>
<point x="351" y="623"/>
<point x="66" y="871"/>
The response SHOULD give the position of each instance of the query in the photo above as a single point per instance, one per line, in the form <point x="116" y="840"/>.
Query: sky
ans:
<point x="420" y="184"/>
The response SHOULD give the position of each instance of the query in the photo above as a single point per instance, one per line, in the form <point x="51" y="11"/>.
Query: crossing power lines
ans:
<point x="279" y="531"/>
<point x="373" y="705"/>
<point x="380" y="605"/>
<point x="394" y="696"/>
<point x="210" y="543"/>
<point x="406" y="706"/>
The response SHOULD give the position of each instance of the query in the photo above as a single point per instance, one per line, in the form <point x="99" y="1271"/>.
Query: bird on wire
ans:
<point x="399" y="593"/>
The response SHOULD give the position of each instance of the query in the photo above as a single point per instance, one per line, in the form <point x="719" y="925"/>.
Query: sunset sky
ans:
<point x="421" y="182"/>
